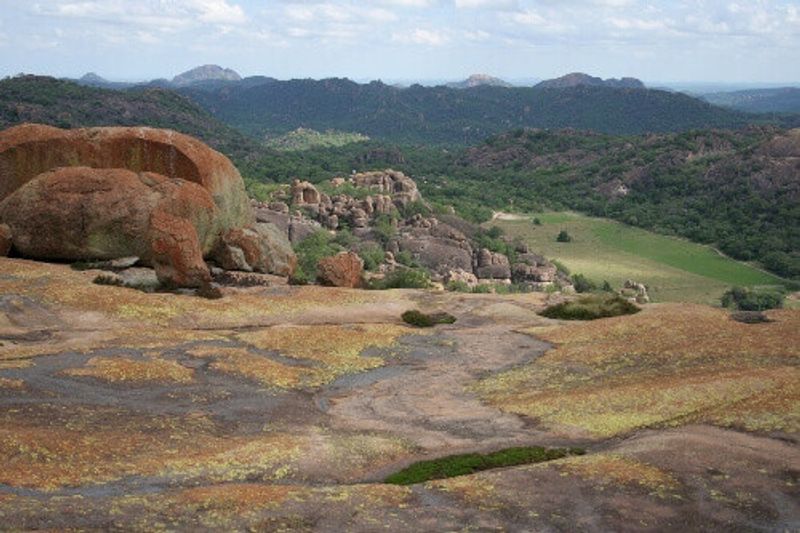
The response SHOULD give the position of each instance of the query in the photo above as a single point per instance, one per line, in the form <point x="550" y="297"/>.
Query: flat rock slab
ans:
<point x="284" y="407"/>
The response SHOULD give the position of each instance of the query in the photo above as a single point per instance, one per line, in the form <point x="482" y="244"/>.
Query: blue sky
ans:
<point x="677" y="40"/>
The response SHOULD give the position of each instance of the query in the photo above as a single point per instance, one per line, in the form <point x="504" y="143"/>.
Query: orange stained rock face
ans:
<point x="671" y="364"/>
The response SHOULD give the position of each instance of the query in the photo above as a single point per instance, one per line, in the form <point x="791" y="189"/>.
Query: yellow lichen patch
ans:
<point x="11" y="364"/>
<point x="336" y="348"/>
<point x="10" y="383"/>
<point x="357" y="454"/>
<point x="668" y="365"/>
<point x="369" y="496"/>
<point x="242" y="362"/>
<point x="610" y="469"/>
<point x="123" y="369"/>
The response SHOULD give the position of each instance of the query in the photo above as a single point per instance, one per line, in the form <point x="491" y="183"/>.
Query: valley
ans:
<point x="674" y="270"/>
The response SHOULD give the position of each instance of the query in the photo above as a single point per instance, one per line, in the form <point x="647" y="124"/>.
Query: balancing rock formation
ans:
<point x="105" y="193"/>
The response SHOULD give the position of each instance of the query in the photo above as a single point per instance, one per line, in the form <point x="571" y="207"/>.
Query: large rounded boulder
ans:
<point x="78" y="213"/>
<point x="31" y="149"/>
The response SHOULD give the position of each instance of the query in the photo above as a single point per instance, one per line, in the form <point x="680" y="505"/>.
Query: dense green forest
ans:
<point x="451" y="116"/>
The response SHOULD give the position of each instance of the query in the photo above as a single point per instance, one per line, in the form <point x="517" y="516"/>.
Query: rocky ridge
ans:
<point x="365" y="203"/>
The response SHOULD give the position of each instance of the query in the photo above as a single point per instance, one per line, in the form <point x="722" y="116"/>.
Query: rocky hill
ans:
<point x="205" y="73"/>
<point x="479" y="80"/>
<point x="578" y="79"/>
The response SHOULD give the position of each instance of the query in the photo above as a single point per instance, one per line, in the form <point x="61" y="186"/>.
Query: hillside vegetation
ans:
<point x="68" y="105"/>
<point x="781" y="100"/>
<point x="736" y="190"/>
<point x="447" y="115"/>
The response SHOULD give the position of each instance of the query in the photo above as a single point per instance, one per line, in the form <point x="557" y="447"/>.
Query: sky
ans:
<point x="741" y="41"/>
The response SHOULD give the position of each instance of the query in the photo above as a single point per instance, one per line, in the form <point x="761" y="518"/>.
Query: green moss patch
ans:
<point x="461" y="465"/>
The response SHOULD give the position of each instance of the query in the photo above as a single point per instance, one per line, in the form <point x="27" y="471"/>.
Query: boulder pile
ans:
<point x="106" y="193"/>
<point x="431" y="242"/>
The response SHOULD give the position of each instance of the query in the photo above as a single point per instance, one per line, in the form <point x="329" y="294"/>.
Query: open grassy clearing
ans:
<point x="673" y="269"/>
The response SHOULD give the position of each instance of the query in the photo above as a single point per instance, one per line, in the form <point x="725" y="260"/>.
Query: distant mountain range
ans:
<point x="264" y="107"/>
<point x="781" y="100"/>
<point x="447" y="115"/>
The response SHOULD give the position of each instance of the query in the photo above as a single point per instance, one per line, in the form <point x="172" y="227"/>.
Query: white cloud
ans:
<point x="497" y="5"/>
<point x="156" y="15"/>
<point x="421" y="36"/>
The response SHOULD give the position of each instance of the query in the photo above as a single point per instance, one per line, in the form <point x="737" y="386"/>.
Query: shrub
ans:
<point x="483" y="288"/>
<point x="345" y="238"/>
<point x="309" y="252"/>
<point x="563" y="236"/>
<point x="372" y="255"/>
<point x="751" y="300"/>
<point x="423" y="320"/>
<point x="460" y="465"/>
<point x="403" y="279"/>
<point x="384" y="228"/>
<point x="458" y="286"/>
<point x="583" y="284"/>
<point x="607" y="287"/>
<point x="417" y="207"/>
<point x="536" y="221"/>
<point x="591" y="307"/>
<point x="405" y="258"/>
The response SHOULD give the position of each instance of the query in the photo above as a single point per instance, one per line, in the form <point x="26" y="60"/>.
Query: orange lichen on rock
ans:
<point x="671" y="364"/>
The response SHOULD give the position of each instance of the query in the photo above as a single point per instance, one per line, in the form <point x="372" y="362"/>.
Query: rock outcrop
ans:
<point x="106" y="193"/>
<point x="262" y="248"/>
<point x="400" y="187"/>
<point x="345" y="269"/>
<point x="492" y="265"/>
<point x="31" y="149"/>
<point x="80" y="213"/>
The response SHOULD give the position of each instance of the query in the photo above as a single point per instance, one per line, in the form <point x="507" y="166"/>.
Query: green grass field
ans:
<point x="674" y="269"/>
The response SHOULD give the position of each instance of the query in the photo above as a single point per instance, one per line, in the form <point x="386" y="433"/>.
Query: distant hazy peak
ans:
<point x="476" y="80"/>
<point x="576" y="79"/>
<point x="91" y="77"/>
<point x="205" y="73"/>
